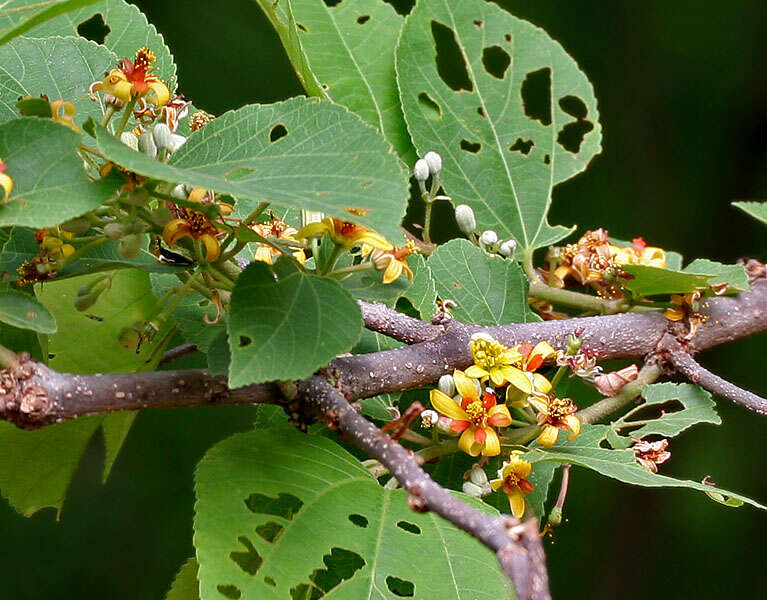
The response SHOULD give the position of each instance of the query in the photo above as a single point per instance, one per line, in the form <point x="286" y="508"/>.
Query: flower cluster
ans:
<point x="6" y="183"/>
<point x="596" y="262"/>
<point x="344" y="234"/>
<point x="196" y="225"/>
<point x="133" y="80"/>
<point x="275" y="228"/>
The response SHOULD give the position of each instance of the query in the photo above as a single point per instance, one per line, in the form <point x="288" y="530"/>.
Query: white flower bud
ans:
<point x="162" y="136"/>
<point x="421" y="170"/>
<point x="129" y="139"/>
<point x="429" y="418"/>
<point x="508" y="248"/>
<point x="114" y="231"/>
<point x="179" y="192"/>
<point x="434" y="161"/>
<point x="465" y="218"/>
<point x="443" y="426"/>
<point x="146" y="145"/>
<point x="478" y="475"/>
<point x="488" y="238"/>
<point x="176" y="141"/>
<point x="447" y="385"/>
<point x="478" y="491"/>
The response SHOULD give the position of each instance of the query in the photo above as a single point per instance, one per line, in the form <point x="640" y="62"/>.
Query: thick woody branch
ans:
<point x="389" y="322"/>
<point x="517" y="546"/>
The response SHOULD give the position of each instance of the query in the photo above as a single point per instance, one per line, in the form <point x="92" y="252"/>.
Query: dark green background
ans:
<point x="683" y="100"/>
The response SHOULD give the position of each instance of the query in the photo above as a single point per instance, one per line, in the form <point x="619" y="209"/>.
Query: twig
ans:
<point x="629" y="392"/>
<point x="178" y="352"/>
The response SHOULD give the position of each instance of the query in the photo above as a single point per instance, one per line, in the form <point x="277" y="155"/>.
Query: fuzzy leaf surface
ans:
<point x="758" y="210"/>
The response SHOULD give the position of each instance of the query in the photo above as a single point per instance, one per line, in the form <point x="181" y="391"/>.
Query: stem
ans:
<point x="427" y="222"/>
<point x="80" y="252"/>
<point x="255" y="214"/>
<point x="558" y="377"/>
<point x="222" y="279"/>
<point x="334" y="254"/>
<point x="124" y="121"/>
<point x="107" y="115"/>
<point x="540" y="290"/>
<point x="449" y="446"/>
<point x="363" y="266"/>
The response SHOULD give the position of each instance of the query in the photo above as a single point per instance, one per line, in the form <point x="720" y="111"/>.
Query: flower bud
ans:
<point x="508" y="248"/>
<point x="434" y="161"/>
<point x="114" y="231"/>
<point x="129" y="139"/>
<point x="421" y="170"/>
<point x="555" y="516"/>
<point x="429" y="418"/>
<point x="477" y="475"/>
<point x="161" y="135"/>
<point x="447" y="385"/>
<point x="488" y="238"/>
<point x="465" y="218"/>
<point x="472" y="489"/>
<point x="176" y="141"/>
<point x="146" y="145"/>
<point x="130" y="245"/>
<point x="179" y="192"/>
<point x="573" y="344"/>
<point x="137" y="197"/>
<point x="79" y="225"/>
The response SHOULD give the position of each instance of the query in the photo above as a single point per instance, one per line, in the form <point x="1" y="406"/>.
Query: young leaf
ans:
<point x="617" y="464"/>
<point x="60" y="67"/>
<point x="509" y="111"/>
<point x="50" y="185"/>
<point x="303" y="153"/>
<point x="733" y="276"/>
<point x="289" y="328"/>
<point x="652" y="281"/>
<point x="489" y="289"/>
<point x="350" y="49"/>
<point x="23" y="311"/>
<point x="29" y="19"/>
<point x="758" y="210"/>
<point x="281" y="513"/>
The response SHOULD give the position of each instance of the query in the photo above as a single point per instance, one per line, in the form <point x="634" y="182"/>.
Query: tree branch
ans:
<point x="394" y="324"/>
<point x="517" y="546"/>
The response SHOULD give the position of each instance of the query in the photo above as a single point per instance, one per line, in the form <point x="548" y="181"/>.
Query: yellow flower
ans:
<point x="52" y="243"/>
<point x="344" y="234"/>
<point x="133" y="79"/>
<point x="555" y="414"/>
<point x="64" y="113"/>
<point x="639" y="253"/>
<point x="495" y="361"/>
<point x="531" y="384"/>
<point x="512" y="478"/>
<point x="279" y="229"/>
<point x="196" y="225"/>
<point x="394" y="262"/>
<point x="474" y="417"/>
<point x="6" y="183"/>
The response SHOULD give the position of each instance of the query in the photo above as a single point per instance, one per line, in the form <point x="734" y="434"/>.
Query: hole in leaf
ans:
<point x="359" y="520"/>
<point x="229" y="591"/>
<point x="341" y="565"/>
<point x="547" y="159"/>
<point x="284" y="505"/>
<point x="332" y="2"/>
<point x="478" y="24"/>
<point x="270" y="581"/>
<point x="203" y="303"/>
<point x="269" y="531"/>
<point x="94" y="29"/>
<point x="450" y="63"/>
<point x="400" y="587"/>
<point x="508" y="38"/>
<point x="536" y="95"/>
<point x="250" y="560"/>
<point x="656" y="411"/>
<point x="573" y="106"/>
<point x="277" y="132"/>
<point x="571" y="135"/>
<point x="523" y="146"/>
<point x="302" y="27"/>
<point x="496" y="61"/>
<point x="245" y="341"/>
<point x="363" y="19"/>
<point x="481" y="112"/>
<point x="471" y="147"/>
<point x="305" y="591"/>
<point x="429" y="108"/>
<point x="51" y="356"/>
<point x="410" y="527"/>
<point x="403" y="7"/>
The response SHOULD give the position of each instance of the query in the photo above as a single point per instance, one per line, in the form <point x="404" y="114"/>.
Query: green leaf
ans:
<point x="423" y="292"/>
<point x="50" y="185"/>
<point x="489" y="289"/>
<point x="368" y="285"/>
<point x="652" y="281"/>
<point x="758" y="210"/>
<point x="350" y="49"/>
<point x="507" y="108"/>
<point x="734" y="276"/>
<point x="21" y="310"/>
<point x="185" y="586"/>
<point x="280" y="513"/>
<point x="29" y="19"/>
<point x="60" y="67"/>
<point x="697" y="407"/>
<point x="328" y="160"/>
<point x="617" y="464"/>
<point x="128" y="31"/>
<point x="115" y="427"/>
<point x="289" y="328"/>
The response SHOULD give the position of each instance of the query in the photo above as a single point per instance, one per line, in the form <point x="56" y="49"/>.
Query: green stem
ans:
<point x="363" y="266"/>
<point x="220" y="278"/>
<point x="107" y="115"/>
<point x="427" y="222"/>
<point x="571" y="299"/>
<point x="521" y="436"/>
<point x="604" y="408"/>
<point x="124" y="121"/>
<point x="558" y="377"/>
<point x="334" y="254"/>
<point x="251" y="218"/>
<point x="449" y="446"/>
<point x="80" y="252"/>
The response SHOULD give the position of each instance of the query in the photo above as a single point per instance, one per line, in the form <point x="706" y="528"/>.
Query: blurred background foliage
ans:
<point x="683" y="103"/>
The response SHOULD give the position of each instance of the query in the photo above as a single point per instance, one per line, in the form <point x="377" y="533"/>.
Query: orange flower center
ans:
<point x="476" y="412"/>
<point x="559" y="408"/>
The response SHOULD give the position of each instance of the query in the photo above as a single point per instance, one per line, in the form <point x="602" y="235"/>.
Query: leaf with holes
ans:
<point x="23" y="311"/>
<point x="732" y="276"/>
<point x="28" y="14"/>
<point x="50" y="185"/>
<point x="350" y="49"/>
<point x="281" y="514"/>
<point x="758" y="210"/>
<point x="125" y="30"/>
<point x="289" y="328"/>
<point x="507" y="108"/>
<point x="302" y="153"/>
<point x="697" y="407"/>
<point x="617" y="464"/>
<point x="60" y="67"/>
<point x="489" y="289"/>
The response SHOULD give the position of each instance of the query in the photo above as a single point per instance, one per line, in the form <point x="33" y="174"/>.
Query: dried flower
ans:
<point x="651" y="454"/>
<point x="610" y="384"/>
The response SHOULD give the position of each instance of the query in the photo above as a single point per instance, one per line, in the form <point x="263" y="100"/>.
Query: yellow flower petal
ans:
<point x="544" y="349"/>
<point x="393" y="271"/>
<point x="492" y="443"/>
<point x="263" y="253"/>
<point x="497" y="376"/>
<point x="464" y="386"/>
<point x="313" y="230"/>
<point x="519" y="466"/>
<point x="500" y="409"/>
<point x="160" y="95"/>
<point x="516" y="398"/>
<point x="371" y="238"/>
<point x="7" y="184"/>
<point x="447" y="406"/>
<point x="174" y="231"/>
<point x="476" y="372"/>
<point x="574" y="423"/>
<point x="496" y="484"/>
<point x="540" y="404"/>
<point x="541" y="384"/>
<point x="466" y="442"/>
<point x="518" y="379"/>
<point x="517" y="503"/>
<point x="548" y="436"/>
<point x="212" y="247"/>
